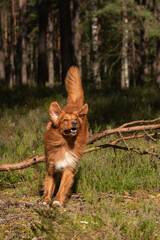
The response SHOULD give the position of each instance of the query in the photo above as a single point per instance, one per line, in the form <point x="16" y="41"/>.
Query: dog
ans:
<point x="65" y="139"/>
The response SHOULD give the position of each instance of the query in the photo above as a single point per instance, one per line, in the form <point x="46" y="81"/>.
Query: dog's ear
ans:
<point x="83" y="110"/>
<point x="54" y="112"/>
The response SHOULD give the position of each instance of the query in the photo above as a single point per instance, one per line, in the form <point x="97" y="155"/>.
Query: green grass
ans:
<point x="23" y="118"/>
<point x="106" y="172"/>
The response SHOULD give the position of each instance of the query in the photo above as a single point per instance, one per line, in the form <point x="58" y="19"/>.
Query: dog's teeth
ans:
<point x="73" y="130"/>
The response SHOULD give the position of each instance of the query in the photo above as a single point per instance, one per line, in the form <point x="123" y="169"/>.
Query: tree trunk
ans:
<point x="34" y="64"/>
<point x="6" y="33"/>
<point x="147" y="65"/>
<point x="66" y="37"/>
<point x="57" y="47"/>
<point x="124" y="70"/>
<point x="42" y="57"/>
<point x="76" y="32"/>
<point x="29" y="62"/>
<point x="2" y="65"/>
<point x="50" y="50"/>
<point x="140" y="55"/>
<point x="12" y="46"/>
<point x="133" y="59"/>
<point x="22" y="41"/>
<point x="86" y="62"/>
<point x="157" y="9"/>
<point x="6" y="43"/>
<point x="95" y="58"/>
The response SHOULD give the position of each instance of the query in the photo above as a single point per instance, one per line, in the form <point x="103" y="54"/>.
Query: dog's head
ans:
<point x="68" y="124"/>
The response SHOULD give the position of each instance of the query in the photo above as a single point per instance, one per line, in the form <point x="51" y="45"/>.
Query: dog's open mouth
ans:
<point x="72" y="131"/>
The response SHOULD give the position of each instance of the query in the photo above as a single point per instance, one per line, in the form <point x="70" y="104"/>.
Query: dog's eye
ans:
<point x="65" y="120"/>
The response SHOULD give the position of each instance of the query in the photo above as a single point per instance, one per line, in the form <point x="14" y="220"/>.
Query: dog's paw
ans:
<point x="57" y="203"/>
<point x="45" y="203"/>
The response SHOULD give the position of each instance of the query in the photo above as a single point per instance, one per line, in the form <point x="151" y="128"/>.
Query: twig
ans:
<point x="140" y="121"/>
<point x="152" y="147"/>
<point x="124" y="140"/>
<point x="133" y="137"/>
<point x="122" y="148"/>
<point x="155" y="140"/>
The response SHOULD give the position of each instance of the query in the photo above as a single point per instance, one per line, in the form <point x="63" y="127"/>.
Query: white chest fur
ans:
<point x="70" y="160"/>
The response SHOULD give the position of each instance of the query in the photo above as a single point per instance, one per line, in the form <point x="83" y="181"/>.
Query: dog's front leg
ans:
<point x="65" y="186"/>
<point x="49" y="186"/>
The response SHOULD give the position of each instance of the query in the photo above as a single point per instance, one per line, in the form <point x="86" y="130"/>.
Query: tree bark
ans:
<point x="140" y="56"/>
<point x="42" y="50"/>
<point x="22" y="41"/>
<point x="133" y="55"/>
<point x="2" y="65"/>
<point x="66" y="37"/>
<point x="157" y="9"/>
<point x="50" y="55"/>
<point x="21" y="165"/>
<point x="76" y="33"/>
<point x="12" y="47"/>
<point x="95" y="55"/>
<point x="125" y="129"/>
<point x="124" y="69"/>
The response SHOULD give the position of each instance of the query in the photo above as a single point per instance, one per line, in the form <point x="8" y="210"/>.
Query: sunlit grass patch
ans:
<point x="110" y="171"/>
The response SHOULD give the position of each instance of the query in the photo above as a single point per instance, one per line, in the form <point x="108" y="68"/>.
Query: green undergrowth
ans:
<point x="110" y="171"/>
<point x="22" y="127"/>
<point x="23" y="118"/>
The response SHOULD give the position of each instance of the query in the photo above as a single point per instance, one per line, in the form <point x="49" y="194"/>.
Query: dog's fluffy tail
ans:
<point x="74" y="87"/>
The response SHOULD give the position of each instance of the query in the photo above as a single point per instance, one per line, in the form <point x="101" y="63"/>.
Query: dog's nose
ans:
<point x="74" y="123"/>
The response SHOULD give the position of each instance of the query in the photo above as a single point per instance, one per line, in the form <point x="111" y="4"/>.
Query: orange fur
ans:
<point x="65" y="138"/>
<point x="74" y="88"/>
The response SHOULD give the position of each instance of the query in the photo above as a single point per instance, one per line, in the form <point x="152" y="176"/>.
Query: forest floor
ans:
<point x="107" y="217"/>
<point x="16" y="215"/>
<point x="116" y="193"/>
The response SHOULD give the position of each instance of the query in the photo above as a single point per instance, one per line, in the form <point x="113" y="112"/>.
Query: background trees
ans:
<point x="115" y="43"/>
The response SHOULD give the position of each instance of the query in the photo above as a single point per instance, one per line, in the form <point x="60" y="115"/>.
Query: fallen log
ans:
<point x="120" y="130"/>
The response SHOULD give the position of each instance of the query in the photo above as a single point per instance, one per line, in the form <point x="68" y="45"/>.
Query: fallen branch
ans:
<point x="20" y="165"/>
<point x="137" y="136"/>
<point x="120" y="130"/>
<point x="144" y="152"/>
<point x="140" y="121"/>
<point x="123" y="130"/>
